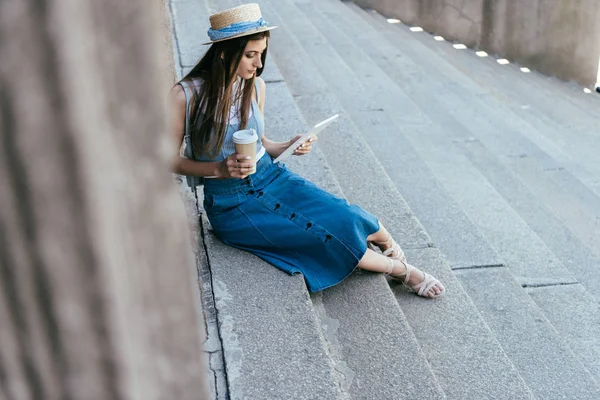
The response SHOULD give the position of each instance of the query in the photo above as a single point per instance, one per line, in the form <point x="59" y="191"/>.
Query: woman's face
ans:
<point x="250" y="61"/>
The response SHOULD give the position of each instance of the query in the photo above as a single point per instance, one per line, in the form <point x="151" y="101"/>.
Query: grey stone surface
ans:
<point x="529" y="258"/>
<point x="575" y="318"/>
<point x="376" y="358"/>
<point x="565" y="100"/>
<point x="190" y="23"/>
<point x="463" y="353"/>
<point x="562" y="128"/>
<point x="543" y="359"/>
<point x="271" y="73"/>
<point x="271" y="338"/>
<point x="571" y="252"/>
<point x="535" y="114"/>
<point x="570" y="90"/>
<point x="505" y="83"/>
<point x="578" y="217"/>
<point x="508" y="233"/>
<point x="455" y="120"/>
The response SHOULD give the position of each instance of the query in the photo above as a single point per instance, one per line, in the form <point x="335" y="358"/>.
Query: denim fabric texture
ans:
<point x="289" y="222"/>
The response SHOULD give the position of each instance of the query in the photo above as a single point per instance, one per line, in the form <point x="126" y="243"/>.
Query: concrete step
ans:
<point x="571" y="136"/>
<point x="575" y="318"/>
<point x="566" y="125"/>
<point x="520" y="320"/>
<point x="570" y="251"/>
<point x="573" y="91"/>
<point x="463" y="116"/>
<point x="543" y="358"/>
<point x="443" y="324"/>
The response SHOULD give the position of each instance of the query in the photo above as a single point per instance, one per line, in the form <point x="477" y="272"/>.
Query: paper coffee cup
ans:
<point x="245" y="143"/>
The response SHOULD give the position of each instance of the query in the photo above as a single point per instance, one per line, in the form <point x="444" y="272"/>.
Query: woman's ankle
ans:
<point x="399" y="269"/>
<point x="384" y="244"/>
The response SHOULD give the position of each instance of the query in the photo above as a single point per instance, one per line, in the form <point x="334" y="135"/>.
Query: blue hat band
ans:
<point x="235" y="29"/>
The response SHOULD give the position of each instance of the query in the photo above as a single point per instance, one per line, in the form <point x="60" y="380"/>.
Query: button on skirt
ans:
<point x="289" y="222"/>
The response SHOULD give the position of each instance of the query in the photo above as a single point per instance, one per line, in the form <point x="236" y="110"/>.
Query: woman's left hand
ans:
<point x="305" y="147"/>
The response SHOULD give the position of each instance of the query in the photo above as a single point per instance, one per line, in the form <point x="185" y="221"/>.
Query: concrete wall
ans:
<point x="556" y="37"/>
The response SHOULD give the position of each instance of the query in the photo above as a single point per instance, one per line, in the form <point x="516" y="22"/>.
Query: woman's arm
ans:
<point x="231" y="167"/>
<point x="276" y="148"/>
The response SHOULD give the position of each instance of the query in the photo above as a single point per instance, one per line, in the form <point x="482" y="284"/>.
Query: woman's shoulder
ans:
<point x="181" y="90"/>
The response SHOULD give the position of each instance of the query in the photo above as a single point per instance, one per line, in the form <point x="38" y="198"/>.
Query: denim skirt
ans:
<point x="289" y="222"/>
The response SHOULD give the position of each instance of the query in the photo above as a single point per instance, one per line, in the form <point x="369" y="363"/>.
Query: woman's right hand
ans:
<point x="235" y="166"/>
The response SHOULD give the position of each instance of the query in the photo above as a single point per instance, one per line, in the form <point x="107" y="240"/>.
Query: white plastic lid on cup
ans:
<point x="245" y="136"/>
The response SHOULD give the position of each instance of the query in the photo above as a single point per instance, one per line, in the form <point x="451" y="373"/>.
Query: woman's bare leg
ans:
<point x="381" y="238"/>
<point x="376" y="262"/>
<point x="373" y="261"/>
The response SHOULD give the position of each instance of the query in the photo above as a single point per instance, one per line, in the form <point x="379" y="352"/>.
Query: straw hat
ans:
<point x="236" y="22"/>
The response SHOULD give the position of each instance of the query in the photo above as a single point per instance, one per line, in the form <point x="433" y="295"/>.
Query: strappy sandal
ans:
<point x="394" y="252"/>
<point x="422" y="288"/>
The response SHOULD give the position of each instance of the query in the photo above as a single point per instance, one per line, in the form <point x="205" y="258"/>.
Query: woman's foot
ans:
<point x="416" y="280"/>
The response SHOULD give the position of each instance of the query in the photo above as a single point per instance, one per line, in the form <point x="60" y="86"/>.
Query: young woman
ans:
<point x="273" y="213"/>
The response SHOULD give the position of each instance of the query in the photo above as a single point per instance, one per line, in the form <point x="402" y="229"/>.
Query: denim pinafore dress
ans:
<point x="287" y="220"/>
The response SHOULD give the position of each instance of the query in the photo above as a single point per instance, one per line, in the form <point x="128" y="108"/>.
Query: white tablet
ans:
<point x="311" y="133"/>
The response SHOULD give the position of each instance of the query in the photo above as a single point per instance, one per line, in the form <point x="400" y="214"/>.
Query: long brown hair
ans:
<point x="213" y="99"/>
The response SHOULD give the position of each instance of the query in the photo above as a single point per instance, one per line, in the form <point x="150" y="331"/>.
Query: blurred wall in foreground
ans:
<point x="98" y="287"/>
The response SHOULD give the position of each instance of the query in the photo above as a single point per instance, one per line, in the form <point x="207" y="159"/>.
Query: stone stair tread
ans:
<point x="372" y="345"/>
<point x="577" y="320"/>
<point x="467" y="361"/>
<point x="534" y="167"/>
<point x="571" y="252"/>
<point x="316" y="102"/>
<point x="543" y="359"/>
<point x="189" y="33"/>
<point x="524" y="99"/>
